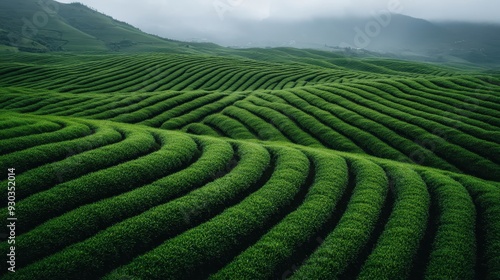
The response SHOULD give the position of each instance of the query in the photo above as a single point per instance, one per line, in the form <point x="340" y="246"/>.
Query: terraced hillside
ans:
<point x="170" y="166"/>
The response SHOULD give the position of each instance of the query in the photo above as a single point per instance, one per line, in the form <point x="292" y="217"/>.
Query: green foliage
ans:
<point x="146" y="113"/>
<point x="315" y="128"/>
<point x="72" y="27"/>
<point x="487" y="201"/>
<point x="289" y="128"/>
<point x="19" y="131"/>
<point x="201" y="129"/>
<point x="275" y="150"/>
<point x="262" y="129"/>
<point x="174" y="153"/>
<point x="274" y="249"/>
<point x="229" y="126"/>
<point x="200" y="113"/>
<point x="396" y="248"/>
<point x="81" y="223"/>
<point x="70" y="130"/>
<point x="453" y="252"/>
<point x="210" y="243"/>
<point x="45" y="165"/>
<point x="354" y="228"/>
<point x="142" y="233"/>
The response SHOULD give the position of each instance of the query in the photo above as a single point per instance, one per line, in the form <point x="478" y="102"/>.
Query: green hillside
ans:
<point x="255" y="164"/>
<point x="48" y="26"/>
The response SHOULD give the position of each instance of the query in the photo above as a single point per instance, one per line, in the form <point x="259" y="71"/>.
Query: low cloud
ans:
<point x="189" y="19"/>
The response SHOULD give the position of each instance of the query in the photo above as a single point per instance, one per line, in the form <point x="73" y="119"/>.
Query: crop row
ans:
<point x="394" y="145"/>
<point x="127" y="106"/>
<point x="199" y="207"/>
<point x="486" y="198"/>
<point x="44" y="165"/>
<point x="69" y="131"/>
<point x="200" y="129"/>
<point x="112" y="77"/>
<point x="342" y="122"/>
<point x="287" y="126"/>
<point x="42" y="126"/>
<point x="198" y="251"/>
<point x="445" y="93"/>
<point x="343" y="244"/>
<point x="152" y="111"/>
<point x="313" y="126"/>
<point x="81" y="223"/>
<point x="393" y="255"/>
<point x="436" y="111"/>
<point x="8" y="123"/>
<point x="192" y="114"/>
<point x="158" y="162"/>
<point x="380" y="118"/>
<point x="458" y="86"/>
<point x="468" y="107"/>
<point x="97" y="101"/>
<point x="227" y="125"/>
<point x="108" y="109"/>
<point x="413" y="128"/>
<point x="161" y="72"/>
<point x="274" y="249"/>
<point x="453" y="253"/>
<point x="482" y="147"/>
<point x="143" y="232"/>
<point x="262" y="129"/>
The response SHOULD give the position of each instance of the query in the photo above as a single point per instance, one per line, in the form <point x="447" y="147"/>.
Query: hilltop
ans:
<point x="49" y="26"/>
<point x="395" y="35"/>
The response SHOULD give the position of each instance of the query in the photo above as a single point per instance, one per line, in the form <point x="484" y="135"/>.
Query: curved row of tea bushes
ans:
<point x="175" y="152"/>
<point x="358" y="136"/>
<point x="273" y="250"/>
<point x="34" y="166"/>
<point x="145" y="113"/>
<point x="86" y="221"/>
<point x="69" y="131"/>
<point x="198" y="250"/>
<point x="39" y="127"/>
<point x="398" y="245"/>
<point x="103" y="251"/>
<point x="452" y="153"/>
<point x="486" y="198"/>
<point x="352" y="232"/>
<point x="308" y="123"/>
<point x="198" y="114"/>
<point x="453" y="254"/>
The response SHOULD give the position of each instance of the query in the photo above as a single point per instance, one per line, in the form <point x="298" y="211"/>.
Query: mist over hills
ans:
<point x="46" y="25"/>
<point x="394" y="34"/>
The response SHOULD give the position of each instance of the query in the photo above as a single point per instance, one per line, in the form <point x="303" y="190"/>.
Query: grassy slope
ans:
<point x="270" y="125"/>
<point x="71" y="27"/>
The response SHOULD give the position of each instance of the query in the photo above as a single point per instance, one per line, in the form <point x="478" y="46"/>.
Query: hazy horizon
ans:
<point x="195" y="19"/>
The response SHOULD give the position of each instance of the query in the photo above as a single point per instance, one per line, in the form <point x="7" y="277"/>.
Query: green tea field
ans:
<point x="250" y="164"/>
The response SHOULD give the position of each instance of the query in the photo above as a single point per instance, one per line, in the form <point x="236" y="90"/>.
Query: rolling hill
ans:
<point x="48" y="26"/>
<point x="175" y="166"/>
<point x="128" y="156"/>
<point x="394" y="35"/>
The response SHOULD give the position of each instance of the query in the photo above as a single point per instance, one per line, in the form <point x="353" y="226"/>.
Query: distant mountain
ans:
<point x="46" y="25"/>
<point x="399" y="35"/>
<point x="392" y="32"/>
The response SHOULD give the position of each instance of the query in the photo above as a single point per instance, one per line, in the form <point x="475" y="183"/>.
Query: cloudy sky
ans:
<point x="182" y="19"/>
